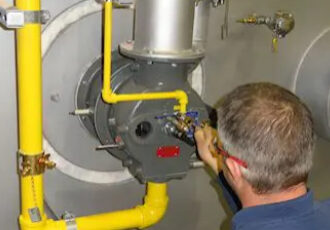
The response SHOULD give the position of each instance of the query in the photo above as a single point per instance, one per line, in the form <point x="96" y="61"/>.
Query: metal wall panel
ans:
<point x="195" y="203"/>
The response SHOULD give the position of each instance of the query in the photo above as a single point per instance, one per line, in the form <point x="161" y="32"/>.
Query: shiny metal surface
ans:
<point x="201" y="22"/>
<point x="314" y="88"/>
<point x="164" y="25"/>
<point x="163" y="31"/>
<point x="187" y="56"/>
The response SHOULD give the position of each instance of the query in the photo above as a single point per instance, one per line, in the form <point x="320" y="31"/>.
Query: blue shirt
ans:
<point x="302" y="213"/>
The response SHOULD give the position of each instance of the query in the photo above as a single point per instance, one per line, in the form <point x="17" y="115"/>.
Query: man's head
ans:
<point x="271" y="130"/>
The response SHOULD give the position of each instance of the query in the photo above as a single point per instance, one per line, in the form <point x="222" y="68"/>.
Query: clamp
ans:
<point x="13" y="18"/>
<point x="34" y="165"/>
<point x="70" y="220"/>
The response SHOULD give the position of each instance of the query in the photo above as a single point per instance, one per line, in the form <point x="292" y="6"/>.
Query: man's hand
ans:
<point x="205" y="145"/>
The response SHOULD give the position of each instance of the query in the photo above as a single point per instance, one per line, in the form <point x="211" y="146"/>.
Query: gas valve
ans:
<point x="181" y="126"/>
<point x="280" y="24"/>
<point x="155" y="62"/>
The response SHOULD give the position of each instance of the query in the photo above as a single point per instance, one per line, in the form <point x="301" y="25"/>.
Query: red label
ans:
<point x="168" y="151"/>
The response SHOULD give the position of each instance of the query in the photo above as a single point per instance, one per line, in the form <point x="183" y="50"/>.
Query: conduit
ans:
<point x="108" y="95"/>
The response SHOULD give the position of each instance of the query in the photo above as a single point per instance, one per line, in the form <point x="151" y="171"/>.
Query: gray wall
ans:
<point x="243" y="57"/>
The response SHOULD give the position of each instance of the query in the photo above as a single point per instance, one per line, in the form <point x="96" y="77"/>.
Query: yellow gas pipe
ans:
<point x="30" y="111"/>
<point x="30" y="144"/>
<point x="111" y="97"/>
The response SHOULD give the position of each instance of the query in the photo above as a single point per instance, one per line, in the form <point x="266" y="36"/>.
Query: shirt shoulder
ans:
<point x="325" y="204"/>
<point x="316" y="218"/>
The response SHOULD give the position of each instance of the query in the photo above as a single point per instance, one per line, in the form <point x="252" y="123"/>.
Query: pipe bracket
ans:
<point x="35" y="164"/>
<point x="13" y="18"/>
<point x="70" y="221"/>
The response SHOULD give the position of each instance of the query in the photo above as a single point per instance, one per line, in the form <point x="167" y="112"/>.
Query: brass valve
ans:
<point x="35" y="165"/>
<point x="280" y="24"/>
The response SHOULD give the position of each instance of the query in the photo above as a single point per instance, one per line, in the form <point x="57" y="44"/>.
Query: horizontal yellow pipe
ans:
<point x="143" y="216"/>
<point x="180" y="95"/>
<point x="151" y="212"/>
<point x="47" y="224"/>
<point x="109" y="96"/>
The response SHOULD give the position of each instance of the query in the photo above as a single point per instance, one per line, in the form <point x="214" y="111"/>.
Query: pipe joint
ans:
<point x="182" y="97"/>
<point x="109" y="97"/>
<point x="45" y="224"/>
<point x="155" y="205"/>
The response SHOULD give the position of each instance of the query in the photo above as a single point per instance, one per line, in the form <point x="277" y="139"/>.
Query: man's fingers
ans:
<point x="199" y="135"/>
<point x="208" y="134"/>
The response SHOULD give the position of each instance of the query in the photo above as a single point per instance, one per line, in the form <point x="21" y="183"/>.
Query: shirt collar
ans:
<point x="268" y="212"/>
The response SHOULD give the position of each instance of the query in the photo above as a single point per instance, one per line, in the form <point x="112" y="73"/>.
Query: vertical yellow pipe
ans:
<point x="30" y="141"/>
<point x="30" y="109"/>
<point x="107" y="48"/>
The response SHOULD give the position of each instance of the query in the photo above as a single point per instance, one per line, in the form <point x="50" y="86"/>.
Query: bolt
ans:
<point x="45" y="16"/>
<point x="81" y="112"/>
<point x="55" y="97"/>
<point x="127" y="162"/>
<point x="112" y="121"/>
<point x="135" y="67"/>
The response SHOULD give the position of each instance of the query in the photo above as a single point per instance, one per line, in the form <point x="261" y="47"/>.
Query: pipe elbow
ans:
<point x="182" y="96"/>
<point x="45" y="224"/>
<point x="109" y="97"/>
<point x="153" y="211"/>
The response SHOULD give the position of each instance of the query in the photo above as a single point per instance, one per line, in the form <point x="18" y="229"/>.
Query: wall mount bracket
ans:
<point x="13" y="18"/>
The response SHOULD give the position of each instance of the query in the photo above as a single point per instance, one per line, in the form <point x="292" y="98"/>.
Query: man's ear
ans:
<point x="234" y="169"/>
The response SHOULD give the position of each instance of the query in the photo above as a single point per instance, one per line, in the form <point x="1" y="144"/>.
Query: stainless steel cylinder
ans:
<point x="202" y="15"/>
<point x="164" y="25"/>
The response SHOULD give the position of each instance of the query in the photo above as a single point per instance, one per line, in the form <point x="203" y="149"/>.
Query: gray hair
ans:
<point x="270" y="129"/>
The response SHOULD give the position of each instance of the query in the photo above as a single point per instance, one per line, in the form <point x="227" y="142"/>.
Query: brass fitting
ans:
<point x="249" y="20"/>
<point x="35" y="165"/>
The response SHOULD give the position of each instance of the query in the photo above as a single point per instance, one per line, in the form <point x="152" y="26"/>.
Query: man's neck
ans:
<point x="250" y="198"/>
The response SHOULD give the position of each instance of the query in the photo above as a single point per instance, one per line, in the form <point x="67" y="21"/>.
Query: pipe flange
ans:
<point x="186" y="56"/>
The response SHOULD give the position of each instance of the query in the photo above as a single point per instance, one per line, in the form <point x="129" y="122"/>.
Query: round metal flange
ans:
<point x="64" y="137"/>
<point x="87" y="93"/>
<point x="188" y="56"/>
<point x="314" y="89"/>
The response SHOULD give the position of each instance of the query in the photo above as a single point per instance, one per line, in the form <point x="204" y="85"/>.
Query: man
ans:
<point x="267" y="149"/>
